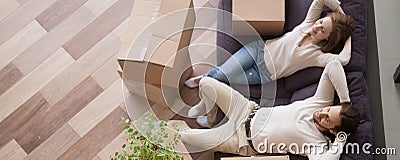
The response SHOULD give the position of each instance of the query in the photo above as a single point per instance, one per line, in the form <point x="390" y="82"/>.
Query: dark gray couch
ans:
<point x="303" y="84"/>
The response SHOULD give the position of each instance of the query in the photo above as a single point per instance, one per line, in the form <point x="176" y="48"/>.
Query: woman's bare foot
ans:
<point x="193" y="82"/>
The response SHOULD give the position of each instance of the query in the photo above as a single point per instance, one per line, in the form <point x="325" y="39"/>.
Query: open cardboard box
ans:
<point x="154" y="56"/>
<point x="267" y="17"/>
<point x="154" y="48"/>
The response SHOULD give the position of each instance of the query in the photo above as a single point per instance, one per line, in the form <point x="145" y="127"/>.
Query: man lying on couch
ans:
<point x="302" y="127"/>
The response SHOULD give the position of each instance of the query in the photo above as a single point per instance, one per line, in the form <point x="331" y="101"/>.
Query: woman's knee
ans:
<point x="217" y="74"/>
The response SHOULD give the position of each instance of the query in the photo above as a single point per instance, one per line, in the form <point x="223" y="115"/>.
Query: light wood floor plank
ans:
<point x="102" y="134"/>
<point x="119" y="31"/>
<point x="33" y="82"/>
<point x="7" y="7"/>
<point x="135" y="103"/>
<point x="99" y="6"/>
<point x="12" y="151"/>
<point x="98" y="109"/>
<point x="48" y="121"/>
<point x="18" y="43"/>
<point x="106" y="74"/>
<point x="57" y="12"/>
<point x="112" y="147"/>
<point x="22" y="1"/>
<point x="21" y="17"/>
<point x="53" y="40"/>
<point x="82" y="68"/>
<point x="56" y="145"/>
<point x="98" y="29"/>
<point x="9" y="76"/>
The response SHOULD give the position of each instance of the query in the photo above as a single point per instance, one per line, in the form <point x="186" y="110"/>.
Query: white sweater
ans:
<point x="293" y="123"/>
<point x="283" y="56"/>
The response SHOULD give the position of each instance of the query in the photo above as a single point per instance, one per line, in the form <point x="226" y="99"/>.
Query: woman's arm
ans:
<point x="343" y="57"/>
<point x="316" y="7"/>
<point x="333" y="78"/>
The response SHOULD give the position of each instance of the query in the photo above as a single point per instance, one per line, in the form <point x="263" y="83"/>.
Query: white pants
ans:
<point x="231" y="136"/>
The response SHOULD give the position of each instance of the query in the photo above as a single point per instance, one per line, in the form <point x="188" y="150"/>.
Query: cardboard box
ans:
<point x="266" y="16"/>
<point x="285" y="157"/>
<point x="165" y="101"/>
<point x="154" y="48"/>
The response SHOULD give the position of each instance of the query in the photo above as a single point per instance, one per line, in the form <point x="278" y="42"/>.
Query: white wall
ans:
<point x="388" y="35"/>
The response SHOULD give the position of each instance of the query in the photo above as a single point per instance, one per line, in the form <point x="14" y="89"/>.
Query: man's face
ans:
<point x="328" y="117"/>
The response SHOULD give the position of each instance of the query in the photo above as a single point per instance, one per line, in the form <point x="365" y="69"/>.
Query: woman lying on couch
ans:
<point x="251" y="130"/>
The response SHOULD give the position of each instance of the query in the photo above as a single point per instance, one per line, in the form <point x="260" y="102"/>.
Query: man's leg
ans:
<point x="232" y="103"/>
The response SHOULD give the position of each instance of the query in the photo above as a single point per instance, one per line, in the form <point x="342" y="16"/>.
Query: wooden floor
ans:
<point x="60" y="94"/>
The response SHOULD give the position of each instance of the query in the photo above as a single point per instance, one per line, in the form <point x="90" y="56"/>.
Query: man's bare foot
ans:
<point x="197" y="110"/>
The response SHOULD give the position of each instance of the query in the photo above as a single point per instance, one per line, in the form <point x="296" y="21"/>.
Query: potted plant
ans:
<point x="148" y="139"/>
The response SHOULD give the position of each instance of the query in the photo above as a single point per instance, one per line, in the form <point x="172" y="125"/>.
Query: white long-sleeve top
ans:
<point x="284" y="56"/>
<point x="293" y="123"/>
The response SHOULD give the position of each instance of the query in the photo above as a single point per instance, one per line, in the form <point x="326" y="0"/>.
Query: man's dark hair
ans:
<point x="349" y="118"/>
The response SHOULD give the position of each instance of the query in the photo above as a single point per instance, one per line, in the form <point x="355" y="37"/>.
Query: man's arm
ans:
<point x="333" y="78"/>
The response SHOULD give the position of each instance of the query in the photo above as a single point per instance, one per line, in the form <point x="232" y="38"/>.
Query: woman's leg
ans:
<point x="240" y="68"/>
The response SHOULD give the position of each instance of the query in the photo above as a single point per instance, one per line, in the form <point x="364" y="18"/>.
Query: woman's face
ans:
<point x="322" y="28"/>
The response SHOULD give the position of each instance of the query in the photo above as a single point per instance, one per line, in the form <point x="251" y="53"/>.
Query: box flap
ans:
<point x="135" y="36"/>
<point x="169" y="25"/>
<point x="258" y="10"/>
<point x="161" y="51"/>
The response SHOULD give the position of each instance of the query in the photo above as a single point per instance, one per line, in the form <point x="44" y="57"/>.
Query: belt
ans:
<point x="247" y="126"/>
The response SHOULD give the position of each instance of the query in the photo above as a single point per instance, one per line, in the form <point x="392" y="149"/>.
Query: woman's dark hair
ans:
<point x="342" y="28"/>
<point x="349" y="118"/>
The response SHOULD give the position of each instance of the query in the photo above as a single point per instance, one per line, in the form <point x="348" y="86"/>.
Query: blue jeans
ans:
<point x="246" y="66"/>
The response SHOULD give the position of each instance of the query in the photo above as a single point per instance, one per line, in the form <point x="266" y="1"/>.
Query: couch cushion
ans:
<point x="303" y="78"/>
<point x="359" y="94"/>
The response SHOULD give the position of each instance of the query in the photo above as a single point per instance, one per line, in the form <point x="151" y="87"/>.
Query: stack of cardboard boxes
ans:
<point x="154" y="53"/>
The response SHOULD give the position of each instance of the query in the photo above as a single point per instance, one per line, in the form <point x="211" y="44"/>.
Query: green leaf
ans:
<point x="130" y="130"/>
